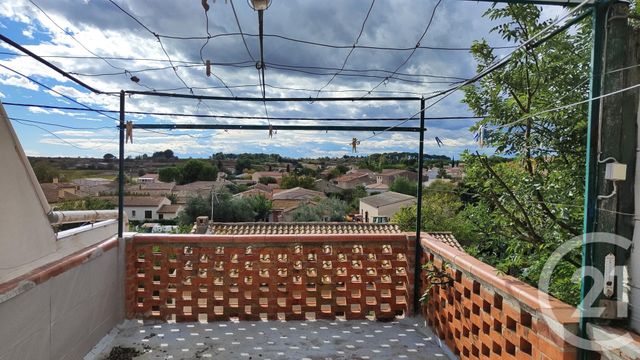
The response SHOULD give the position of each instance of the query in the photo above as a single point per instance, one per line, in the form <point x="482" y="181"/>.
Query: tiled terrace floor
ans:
<point x="403" y="339"/>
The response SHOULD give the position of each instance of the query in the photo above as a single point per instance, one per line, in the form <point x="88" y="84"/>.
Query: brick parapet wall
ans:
<point x="480" y="314"/>
<point x="211" y="277"/>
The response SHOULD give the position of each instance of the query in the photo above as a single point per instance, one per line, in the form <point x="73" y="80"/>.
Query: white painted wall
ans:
<point x="139" y="211"/>
<point x="26" y="233"/>
<point x="64" y="317"/>
<point x="388" y="210"/>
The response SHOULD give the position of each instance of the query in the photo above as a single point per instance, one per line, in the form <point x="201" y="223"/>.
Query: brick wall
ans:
<point x="479" y="314"/>
<point x="211" y="277"/>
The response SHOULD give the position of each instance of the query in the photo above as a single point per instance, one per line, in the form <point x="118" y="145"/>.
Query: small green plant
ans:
<point x="435" y="277"/>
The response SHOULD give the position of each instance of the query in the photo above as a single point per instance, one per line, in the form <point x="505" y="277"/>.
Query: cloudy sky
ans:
<point x="105" y="47"/>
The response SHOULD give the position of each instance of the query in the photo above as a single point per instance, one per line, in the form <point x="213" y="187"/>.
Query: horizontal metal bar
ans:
<point x="276" y="127"/>
<point x="268" y="99"/>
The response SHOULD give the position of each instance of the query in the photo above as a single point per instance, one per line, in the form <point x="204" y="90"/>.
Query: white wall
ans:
<point x="26" y="233"/>
<point x="139" y="216"/>
<point x="388" y="210"/>
<point x="64" y="317"/>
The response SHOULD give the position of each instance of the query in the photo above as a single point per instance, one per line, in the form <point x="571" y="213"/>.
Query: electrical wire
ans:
<point x="489" y="69"/>
<point x="58" y="137"/>
<point x="73" y="37"/>
<point x="240" y="64"/>
<point x="103" y="113"/>
<point x="125" y="72"/>
<point x="346" y="59"/>
<point x="242" y="35"/>
<point x="433" y="14"/>
<point x="335" y="46"/>
<point x="69" y="108"/>
<point x="60" y="125"/>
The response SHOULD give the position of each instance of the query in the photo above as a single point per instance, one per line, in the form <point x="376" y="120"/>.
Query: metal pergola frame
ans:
<point x="421" y="130"/>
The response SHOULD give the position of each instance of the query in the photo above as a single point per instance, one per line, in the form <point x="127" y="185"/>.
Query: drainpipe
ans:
<point x="634" y="257"/>
<point x="92" y="216"/>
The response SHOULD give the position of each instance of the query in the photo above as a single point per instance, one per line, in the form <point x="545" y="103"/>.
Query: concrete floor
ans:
<point x="403" y="339"/>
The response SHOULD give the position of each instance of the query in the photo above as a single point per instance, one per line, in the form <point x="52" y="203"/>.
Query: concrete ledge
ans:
<point x="18" y="285"/>
<point x="616" y="343"/>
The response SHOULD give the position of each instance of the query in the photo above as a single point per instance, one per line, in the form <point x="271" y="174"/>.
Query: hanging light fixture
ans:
<point x="259" y="5"/>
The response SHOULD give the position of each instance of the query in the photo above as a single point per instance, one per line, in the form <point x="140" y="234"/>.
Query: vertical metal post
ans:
<point x="591" y="170"/>
<point x="417" y="280"/>
<point x="121" y="169"/>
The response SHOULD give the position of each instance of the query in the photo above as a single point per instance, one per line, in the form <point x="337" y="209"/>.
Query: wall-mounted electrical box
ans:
<point x="615" y="172"/>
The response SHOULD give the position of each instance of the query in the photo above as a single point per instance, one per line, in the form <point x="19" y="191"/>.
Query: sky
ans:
<point x="108" y="47"/>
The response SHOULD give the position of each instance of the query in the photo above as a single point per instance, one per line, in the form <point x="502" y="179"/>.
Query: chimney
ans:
<point x="202" y="222"/>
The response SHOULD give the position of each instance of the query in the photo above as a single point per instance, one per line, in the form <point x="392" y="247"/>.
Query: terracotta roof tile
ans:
<point x="447" y="238"/>
<point x="308" y="228"/>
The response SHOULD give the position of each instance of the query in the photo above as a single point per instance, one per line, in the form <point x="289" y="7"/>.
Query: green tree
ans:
<point x="334" y="209"/>
<point x="195" y="170"/>
<point x="307" y="213"/>
<point x="404" y="186"/>
<point x="88" y="203"/>
<point x="267" y="180"/>
<point x="291" y="181"/>
<point x="529" y="205"/>
<point x="261" y="207"/>
<point x="169" y="174"/>
<point x="45" y="172"/>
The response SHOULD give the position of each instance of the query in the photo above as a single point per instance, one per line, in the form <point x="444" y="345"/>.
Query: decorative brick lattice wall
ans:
<point x="482" y="315"/>
<point x="210" y="278"/>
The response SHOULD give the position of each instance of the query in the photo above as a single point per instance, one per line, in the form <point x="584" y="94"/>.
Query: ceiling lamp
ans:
<point x="259" y="5"/>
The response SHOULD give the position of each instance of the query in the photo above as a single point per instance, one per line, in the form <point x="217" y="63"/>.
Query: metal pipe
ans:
<point x="277" y="127"/>
<point x="69" y="217"/>
<point x="289" y="99"/>
<point x="590" y="195"/>
<point x="417" y="271"/>
<point x="121" y="169"/>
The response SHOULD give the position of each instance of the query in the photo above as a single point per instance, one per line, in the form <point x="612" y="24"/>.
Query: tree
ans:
<point x="195" y="170"/>
<point x="88" y="203"/>
<point x="242" y="163"/>
<point x="527" y="206"/>
<point x="170" y="174"/>
<point x="442" y="173"/>
<point x="45" y="172"/>
<point x="261" y="206"/>
<point x="404" y="186"/>
<point x="334" y="209"/>
<point x="292" y="180"/>
<point x="267" y="180"/>
<point x="306" y="213"/>
<point x="108" y="157"/>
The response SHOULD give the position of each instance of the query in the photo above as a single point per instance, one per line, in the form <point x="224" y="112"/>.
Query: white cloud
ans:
<point x="105" y="31"/>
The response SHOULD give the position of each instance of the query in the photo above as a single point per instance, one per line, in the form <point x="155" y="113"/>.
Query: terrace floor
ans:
<point x="403" y="339"/>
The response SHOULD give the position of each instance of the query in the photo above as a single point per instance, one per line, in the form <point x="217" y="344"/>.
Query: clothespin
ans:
<point x="208" y="66"/>
<point x="439" y="142"/>
<point x="205" y="5"/>
<point x="270" y="131"/>
<point x="354" y="145"/>
<point x="129" y="131"/>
